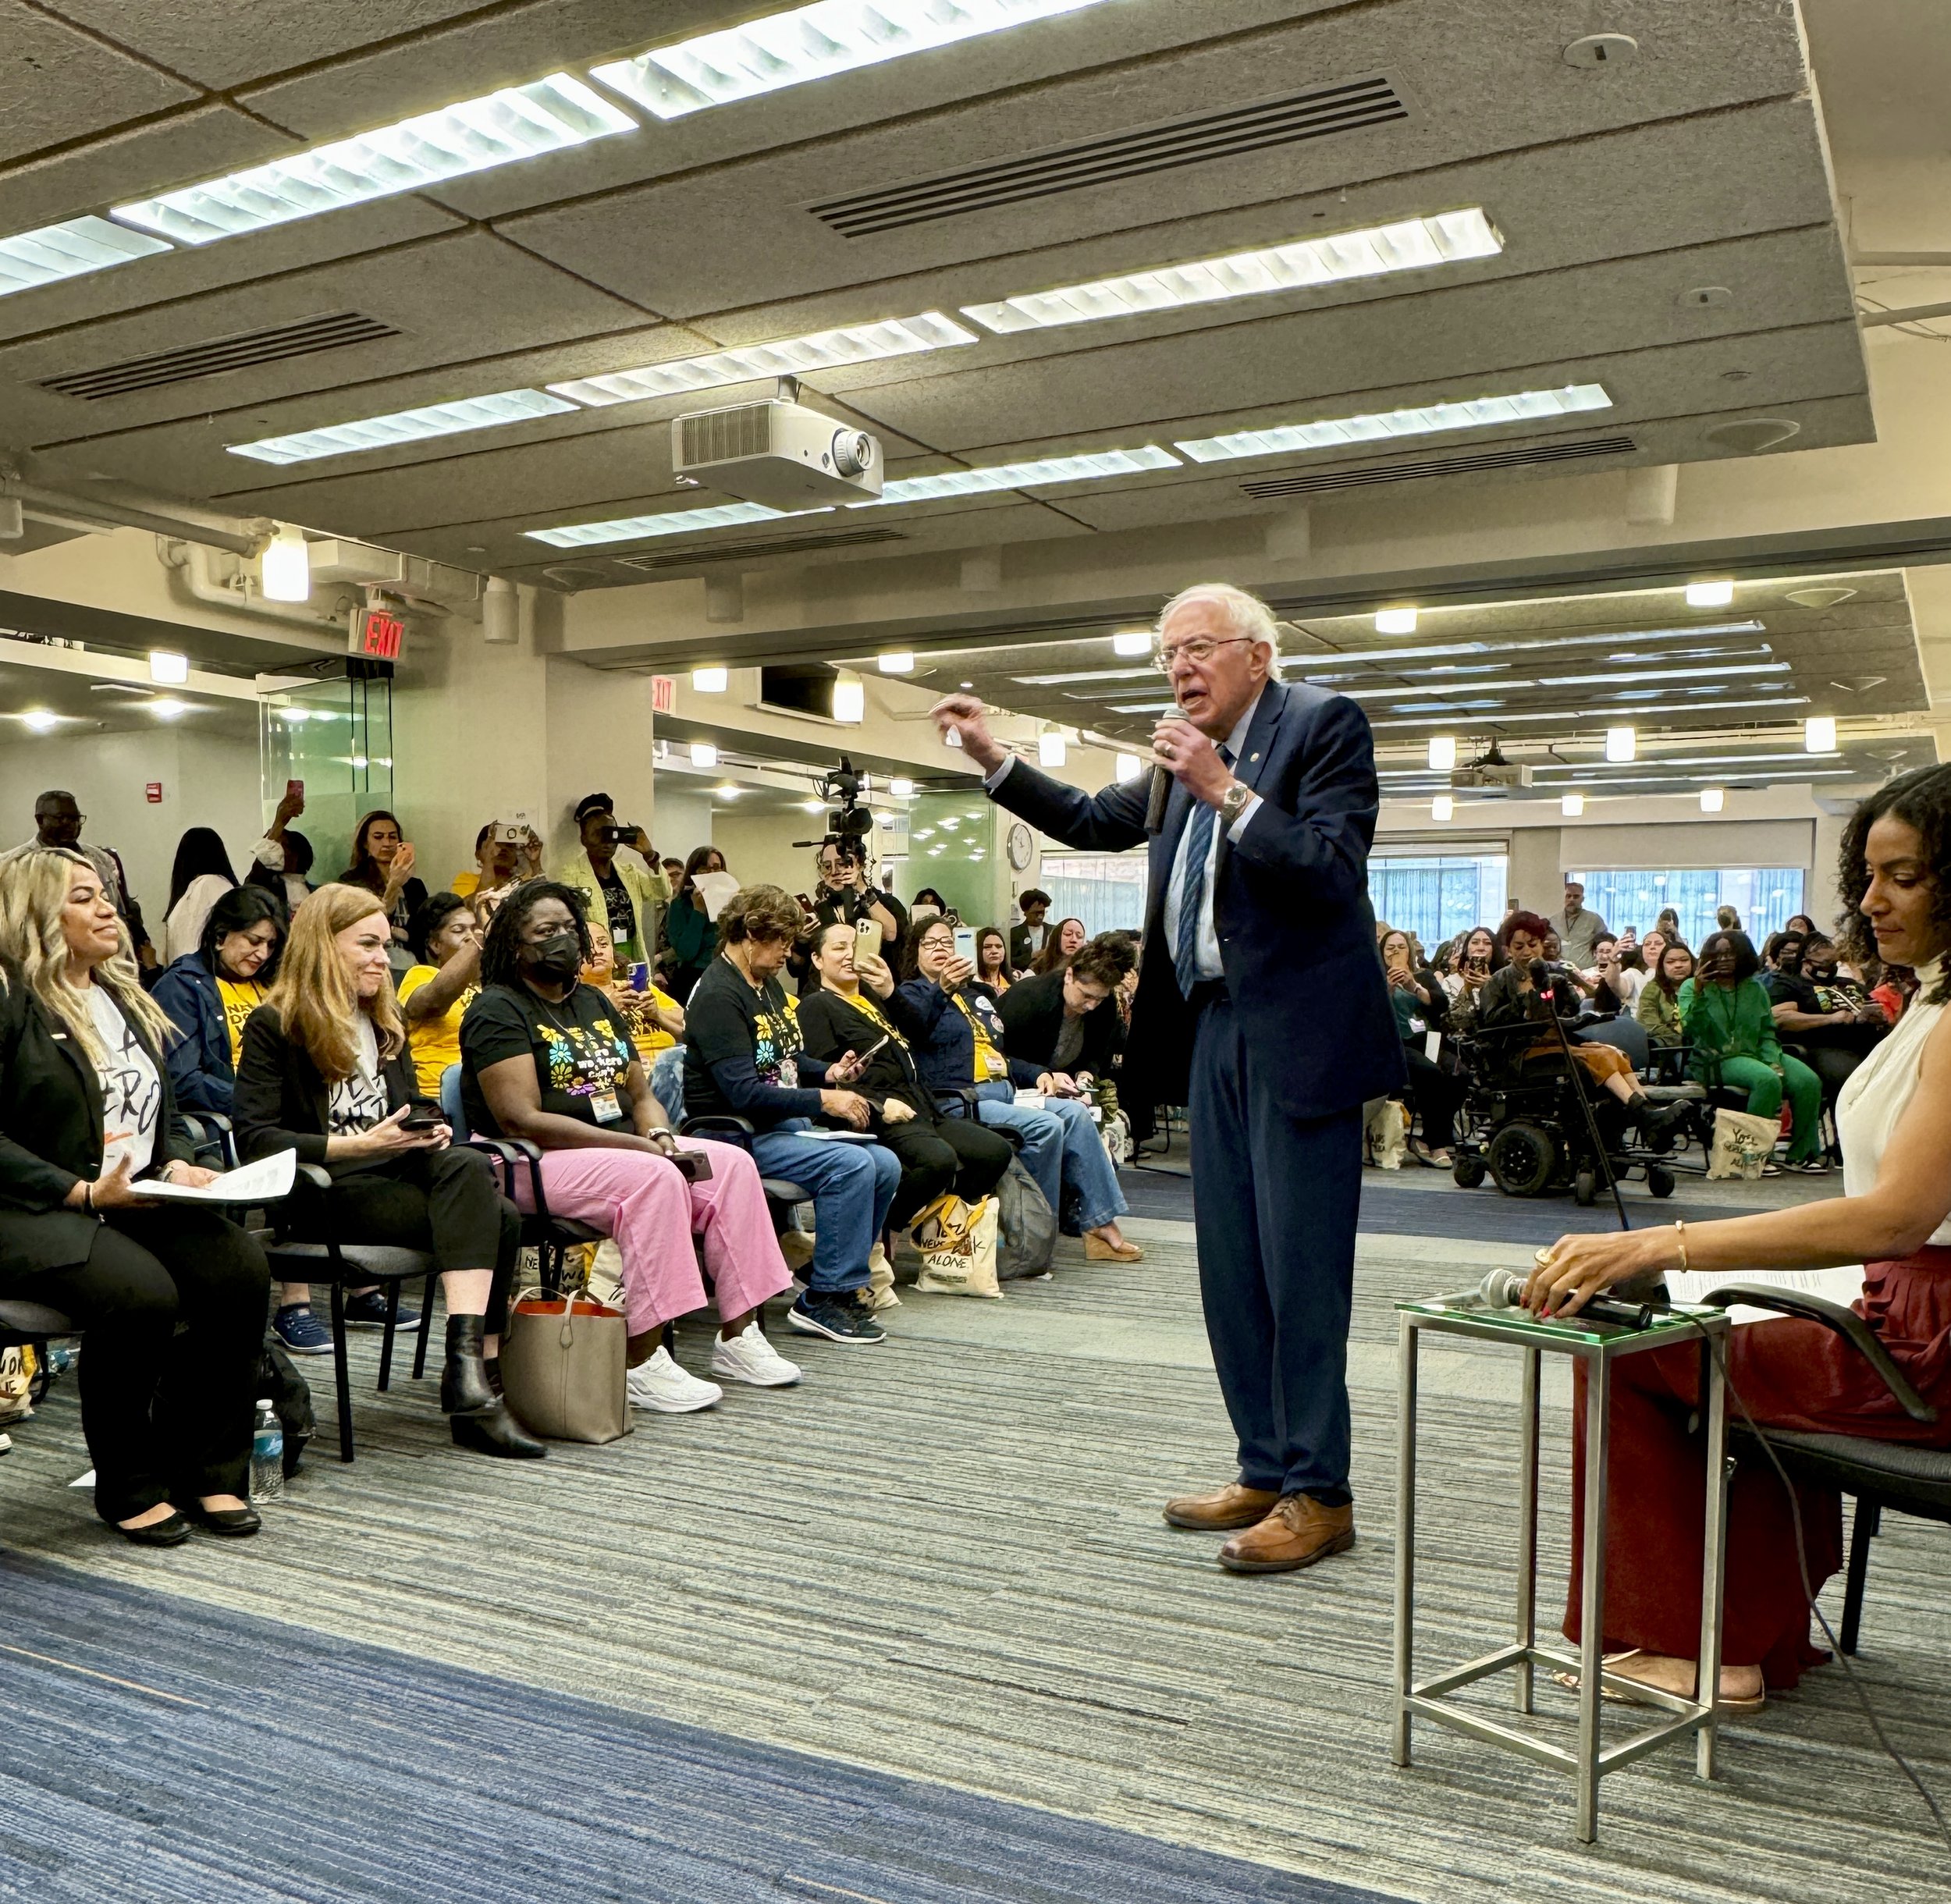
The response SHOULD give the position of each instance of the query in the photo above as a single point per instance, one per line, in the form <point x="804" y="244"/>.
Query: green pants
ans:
<point x="1765" y="1092"/>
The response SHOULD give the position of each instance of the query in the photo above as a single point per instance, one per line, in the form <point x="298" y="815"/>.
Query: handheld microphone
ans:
<point x="1501" y="1289"/>
<point x="1161" y="792"/>
<point x="1540" y="973"/>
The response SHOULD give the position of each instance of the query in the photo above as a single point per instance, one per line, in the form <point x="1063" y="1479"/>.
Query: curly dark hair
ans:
<point x="428" y="919"/>
<point x="501" y="944"/>
<point x="1106" y="960"/>
<point x="1922" y="799"/>
<point x="1748" y="961"/>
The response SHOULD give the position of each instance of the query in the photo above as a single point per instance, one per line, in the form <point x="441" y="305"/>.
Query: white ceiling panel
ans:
<point x="57" y="84"/>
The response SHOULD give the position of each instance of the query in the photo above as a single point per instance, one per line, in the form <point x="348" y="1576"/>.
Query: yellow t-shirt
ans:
<point x="989" y="1062"/>
<point x="649" y="1036"/>
<point x="466" y="884"/>
<point x="239" y="1001"/>
<point x="434" y="1042"/>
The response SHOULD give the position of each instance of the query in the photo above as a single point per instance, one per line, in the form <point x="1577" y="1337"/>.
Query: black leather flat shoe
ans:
<point x="234" y="1522"/>
<point x="496" y="1432"/>
<point x="171" y="1533"/>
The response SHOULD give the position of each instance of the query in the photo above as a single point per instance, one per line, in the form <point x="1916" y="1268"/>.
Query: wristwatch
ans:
<point x="1233" y="803"/>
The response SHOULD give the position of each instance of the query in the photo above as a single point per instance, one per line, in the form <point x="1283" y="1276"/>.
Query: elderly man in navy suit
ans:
<point x="1262" y="1008"/>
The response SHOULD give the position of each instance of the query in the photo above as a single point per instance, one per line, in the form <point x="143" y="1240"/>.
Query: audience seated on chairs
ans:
<point x="1831" y="1031"/>
<point x="1793" y="1373"/>
<point x="992" y="959"/>
<point x="200" y="877"/>
<point x="1422" y="1006"/>
<point x="1063" y="1039"/>
<point x="853" y="1008"/>
<point x="382" y="862"/>
<point x="744" y="1058"/>
<point x="500" y="863"/>
<point x="87" y="1118"/>
<point x="961" y="1044"/>
<point x="445" y="937"/>
<point x="1511" y="997"/>
<point x="1658" y="1011"/>
<point x="1478" y="956"/>
<point x="1730" y="1024"/>
<point x="656" y="1020"/>
<point x="324" y="1072"/>
<point x="548" y="1059"/>
<point x="691" y="938"/>
<point x="1060" y="947"/>
<point x="207" y="994"/>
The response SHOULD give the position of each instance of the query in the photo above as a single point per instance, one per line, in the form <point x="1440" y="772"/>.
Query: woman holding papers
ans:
<point x="86" y="1119"/>
<point x="1895" y="1118"/>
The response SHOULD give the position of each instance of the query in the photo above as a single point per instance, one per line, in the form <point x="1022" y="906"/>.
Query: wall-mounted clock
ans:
<point x="1021" y="846"/>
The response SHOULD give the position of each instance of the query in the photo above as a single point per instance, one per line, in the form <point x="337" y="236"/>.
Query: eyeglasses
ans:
<point x="1195" y="654"/>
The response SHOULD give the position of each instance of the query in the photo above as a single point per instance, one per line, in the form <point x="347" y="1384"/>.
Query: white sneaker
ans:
<point x="749" y="1357"/>
<point x="659" y="1384"/>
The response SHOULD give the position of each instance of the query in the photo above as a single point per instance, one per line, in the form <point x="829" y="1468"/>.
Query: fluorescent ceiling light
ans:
<point x="1565" y="716"/>
<point x="1475" y="414"/>
<point x="1380" y="656"/>
<point x="899" y="661"/>
<point x="1722" y="760"/>
<point x="638" y="528"/>
<point x="69" y="250"/>
<point x="1818" y="734"/>
<point x="285" y="567"/>
<point x="1025" y="475"/>
<point x="790" y="357"/>
<point x="1572" y="805"/>
<point x="1088" y="674"/>
<point x="808" y="43"/>
<point x="1127" y="767"/>
<point x="1713" y="799"/>
<point x="1411" y="244"/>
<point x="518" y="122"/>
<point x="704" y="753"/>
<point x="1395" y="621"/>
<point x="1442" y="808"/>
<point x="710" y="680"/>
<point x="403" y="426"/>
<point x="1709" y="595"/>
<point x="1131" y="641"/>
<point x="1659" y="674"/>
<point x="171" y="670"/>
<point x="1442" y="752"/>
<point x="1621" y="744"/>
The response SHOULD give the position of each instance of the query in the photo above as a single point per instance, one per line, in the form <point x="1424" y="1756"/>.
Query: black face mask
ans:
<point x="1823" y="974"/>
<point x="555" y="960"/>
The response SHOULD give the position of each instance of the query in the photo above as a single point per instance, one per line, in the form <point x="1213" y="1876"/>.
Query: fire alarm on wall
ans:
<point x="153" y="793"/>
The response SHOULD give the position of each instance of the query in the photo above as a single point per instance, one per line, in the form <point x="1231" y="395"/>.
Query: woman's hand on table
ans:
<point x="1576" y="1268"/>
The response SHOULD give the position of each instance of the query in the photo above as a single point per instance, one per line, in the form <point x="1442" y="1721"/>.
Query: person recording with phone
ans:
<point x="324" y="1071"/>
<point x="170" y="1297"/>
<point x="622" y="881"/>
<point x="505" y="855"/>
<point x="854" y="1009"/>
<point x="1258" y="828"/>
<point x="1477" y="957"/>
<point x="382" y="861"/>
<point x="845" y="897"/>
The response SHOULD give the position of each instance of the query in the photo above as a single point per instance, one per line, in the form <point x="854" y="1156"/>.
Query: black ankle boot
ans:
<point x="495" y="1431"/>
<point x="463" y="1383"/>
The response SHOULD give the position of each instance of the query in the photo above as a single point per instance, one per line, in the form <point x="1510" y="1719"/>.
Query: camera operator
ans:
<point x="616" y="888"/>
<point x="845" y="897"/>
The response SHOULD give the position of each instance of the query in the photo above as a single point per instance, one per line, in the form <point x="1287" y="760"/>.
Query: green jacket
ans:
<point x="1723" y="1021"/>
<point x="1660" y="1014"/>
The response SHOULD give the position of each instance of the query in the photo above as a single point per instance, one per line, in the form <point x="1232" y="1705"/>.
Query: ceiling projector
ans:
<point x="780" y="453"/>
<point x="1490" y="774"/>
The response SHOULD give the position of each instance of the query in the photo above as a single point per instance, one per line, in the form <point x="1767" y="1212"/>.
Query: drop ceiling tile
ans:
<point x="57" y="85"/>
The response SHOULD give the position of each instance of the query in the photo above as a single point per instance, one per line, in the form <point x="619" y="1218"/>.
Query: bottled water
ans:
<point x="267" y="1455"/>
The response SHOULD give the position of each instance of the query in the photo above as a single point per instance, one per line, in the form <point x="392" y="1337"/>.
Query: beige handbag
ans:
<point x="563" y="1363"/>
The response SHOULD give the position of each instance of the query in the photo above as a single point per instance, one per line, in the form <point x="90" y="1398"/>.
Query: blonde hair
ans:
<point x="313" y="998"/>
<point x="33" y="891"/>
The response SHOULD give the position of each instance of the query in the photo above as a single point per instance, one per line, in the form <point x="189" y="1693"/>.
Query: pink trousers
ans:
<point x="650" y="1211"/>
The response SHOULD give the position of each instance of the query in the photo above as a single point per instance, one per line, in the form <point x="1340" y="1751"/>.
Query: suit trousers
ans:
<point x="168" y="1415"/>
<point x="1275" y="1201"/>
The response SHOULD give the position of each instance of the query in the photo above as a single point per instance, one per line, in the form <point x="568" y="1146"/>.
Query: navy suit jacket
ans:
<point x="1291" y="906"/>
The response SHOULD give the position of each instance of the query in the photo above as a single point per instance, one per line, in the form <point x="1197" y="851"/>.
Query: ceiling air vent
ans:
<point x="1315" y="114"/>
<point x="1314" y="482"/>
<point x="751" y="552"/>
<point x="244" y="352"/>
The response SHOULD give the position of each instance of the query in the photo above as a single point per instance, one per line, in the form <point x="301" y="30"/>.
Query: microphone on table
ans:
<point x="1502" y="1289"/>
<point x="1161" y="791"/>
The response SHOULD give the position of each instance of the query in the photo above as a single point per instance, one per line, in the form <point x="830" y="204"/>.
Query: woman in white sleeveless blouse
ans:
<point x="1894" y="1117"/>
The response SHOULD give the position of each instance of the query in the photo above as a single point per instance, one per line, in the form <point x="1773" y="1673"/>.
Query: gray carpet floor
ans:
<point x="943" y="1559"/>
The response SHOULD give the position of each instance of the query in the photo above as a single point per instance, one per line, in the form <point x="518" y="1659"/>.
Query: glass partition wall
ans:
<point x="335" y="737"/>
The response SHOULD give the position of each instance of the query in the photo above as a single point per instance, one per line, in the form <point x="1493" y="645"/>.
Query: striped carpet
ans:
<point x="942" y="1561"/>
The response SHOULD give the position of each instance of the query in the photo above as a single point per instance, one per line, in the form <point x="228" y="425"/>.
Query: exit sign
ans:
<point x="663" y="694"/>
<point x="378" y="633"/>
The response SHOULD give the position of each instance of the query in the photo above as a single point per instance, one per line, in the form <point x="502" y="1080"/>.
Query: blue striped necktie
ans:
<point x="1192" y="886"/>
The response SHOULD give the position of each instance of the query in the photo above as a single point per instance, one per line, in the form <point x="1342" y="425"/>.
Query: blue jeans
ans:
<point x="1060" y="1144"/>
<point x="852" y="1187"/>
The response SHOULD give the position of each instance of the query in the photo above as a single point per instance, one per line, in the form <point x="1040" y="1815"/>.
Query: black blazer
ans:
<point x="51" y="1119"/>
<point x="1291" y="904"/>
<point x="281" y="1103"/>
<point x="1032" y="1011"/>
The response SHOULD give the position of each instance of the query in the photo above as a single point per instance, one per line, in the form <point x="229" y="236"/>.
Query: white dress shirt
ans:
<point x="1206" y="959"/>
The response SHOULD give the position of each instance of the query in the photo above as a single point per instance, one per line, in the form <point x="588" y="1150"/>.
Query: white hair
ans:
<point x="1247" y="615"/>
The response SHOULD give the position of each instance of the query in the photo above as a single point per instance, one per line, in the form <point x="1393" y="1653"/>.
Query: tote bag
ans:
<point x="958" y="1243"/>
<point x="1743" y="1144"/>
<point x="563" y="1362"/>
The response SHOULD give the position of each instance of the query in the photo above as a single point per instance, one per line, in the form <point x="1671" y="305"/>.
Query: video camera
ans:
<point x="848" y="822"/>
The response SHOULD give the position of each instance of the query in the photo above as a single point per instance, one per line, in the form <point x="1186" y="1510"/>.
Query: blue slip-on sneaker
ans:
<point x="301" y="1332"/>
<point x="368" y="1311"/>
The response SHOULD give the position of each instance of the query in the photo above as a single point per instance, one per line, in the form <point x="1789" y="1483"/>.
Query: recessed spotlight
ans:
<point x="1713" y="799"/>
<point x="1127" y="767"/>
<point x="965" y="685"/>
<point x="710" y="680"/>
<point x="725" y="790"/>
<point x="1395" y="621"/>
<point x="38" y="720"/>
<point x="170" y="670"/>
<point x="1818" y="734"/>
<point x="167" y="707"/>
<point x="901" y="788"/>
<point x="1442" y="808"/>
<point x="899" y="661"/>
<point x="1442" y="752"/>
<point x="1709" y="595"/>
<point x="1572" y="805"/>
<point x="850" y="698"/>
<point x="285" y="567"/>
<point x="812" y="806"/>
<point x="1051" y="749"/>
<point x="1621" y="744"/>
<point x="704" y="753"/>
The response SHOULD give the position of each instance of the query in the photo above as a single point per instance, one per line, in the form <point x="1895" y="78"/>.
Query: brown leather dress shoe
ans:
<point x="1222" y="1512"/>
<point x="1298" y="1532"/>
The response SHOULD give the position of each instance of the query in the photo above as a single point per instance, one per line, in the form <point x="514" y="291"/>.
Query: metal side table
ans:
<point x="1597" y="1345"/>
